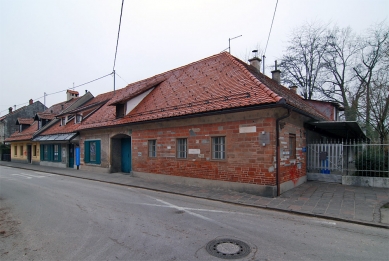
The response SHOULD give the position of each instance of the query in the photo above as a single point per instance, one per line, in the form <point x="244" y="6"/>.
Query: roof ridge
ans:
<point x="153" y="81"/>
<point x="271" y="93"/>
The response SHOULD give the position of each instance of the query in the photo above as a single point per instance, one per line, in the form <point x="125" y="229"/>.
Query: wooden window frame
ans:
<point x="182" y="149"/>
<point x="152" y="148"/>
<point x="218" y="148"/>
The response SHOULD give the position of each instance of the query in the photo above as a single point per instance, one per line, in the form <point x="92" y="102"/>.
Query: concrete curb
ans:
<point x="218" y="200"/>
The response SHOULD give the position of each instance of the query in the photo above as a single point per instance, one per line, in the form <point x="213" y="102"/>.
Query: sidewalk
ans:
<point x="359" y="205"/>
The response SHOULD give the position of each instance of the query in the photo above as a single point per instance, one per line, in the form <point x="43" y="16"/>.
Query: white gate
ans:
<point x="325" y="158"/>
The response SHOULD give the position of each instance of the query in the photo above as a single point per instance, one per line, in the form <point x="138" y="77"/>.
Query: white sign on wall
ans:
<point x="249" y="129"/>
<point x="194" y="151"/>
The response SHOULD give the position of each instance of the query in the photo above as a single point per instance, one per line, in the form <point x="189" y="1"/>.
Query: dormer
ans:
<point x="24" y="123"/>
<point x="120" y="110"/>
<point x="126" y="106"/>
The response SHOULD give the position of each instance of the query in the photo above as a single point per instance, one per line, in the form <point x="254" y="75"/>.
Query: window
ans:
<point x="63" y="121"/>
<point x="92" y="151"/>
<point x="15" y="150"/>
<point x="292" y="146"/>
<point x="56" y="152"/>
<point x="34" y="150"/>
<point x="78" y="118"/>
<point x="45" y="152"/>
<point x="120" y="110"/>
<point x="49" y="152"/>
<point x="21" y="150"/>
<point x="181" y="148"/>
<point x="219" y="148"/>
<point x="39" y="124"/>
<point x="20" y="128"/>
<point x="152" y="148"/>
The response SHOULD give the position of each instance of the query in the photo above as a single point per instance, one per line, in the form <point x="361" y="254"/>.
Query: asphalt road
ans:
<point x="50" y="217"/>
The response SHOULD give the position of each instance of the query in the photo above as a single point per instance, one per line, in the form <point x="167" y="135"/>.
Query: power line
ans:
<point x="62" y="90"/>
<point x="275" y="9"/>
<point x="117" y="40"/>
<point x="121" y="77"/>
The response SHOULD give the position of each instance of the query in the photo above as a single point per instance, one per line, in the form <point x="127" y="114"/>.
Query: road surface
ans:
<point x="51" y="217"/>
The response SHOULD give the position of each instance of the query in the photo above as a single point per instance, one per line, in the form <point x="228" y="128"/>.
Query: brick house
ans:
<point x="215" y="122"/>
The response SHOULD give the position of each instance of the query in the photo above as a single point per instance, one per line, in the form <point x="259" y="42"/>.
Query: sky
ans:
<point x="49" y="46"/>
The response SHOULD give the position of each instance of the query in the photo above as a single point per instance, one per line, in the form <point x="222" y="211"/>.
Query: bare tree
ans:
<point x="302" y="64"/>
<point x="374" y="61"/>
<point x="380" y="106"/>
<point x="339" y="59"/>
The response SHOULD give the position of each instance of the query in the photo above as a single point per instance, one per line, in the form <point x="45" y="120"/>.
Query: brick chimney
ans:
<point x="276" y="74"/>
<point x="293" y="88"/>
<point x="10" y="109"/>
<point x="30" y="101"/>
<point x="255" y="61"/>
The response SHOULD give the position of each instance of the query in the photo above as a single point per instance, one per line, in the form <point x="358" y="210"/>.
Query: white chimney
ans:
<point x="293" y="88"/>
<point x="256" y="62"/>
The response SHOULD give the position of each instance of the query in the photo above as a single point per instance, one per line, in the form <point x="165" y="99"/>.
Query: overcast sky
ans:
<point x="46" y="45"/>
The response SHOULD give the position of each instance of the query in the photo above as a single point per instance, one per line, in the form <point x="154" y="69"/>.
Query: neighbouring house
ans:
<point x="24" y="149"/>
<point x="60" y="140"/>
<point x="7" y="122"/>
<point x="215" y="122"/>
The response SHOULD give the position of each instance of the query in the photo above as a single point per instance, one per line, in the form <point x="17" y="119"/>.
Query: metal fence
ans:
<point x="352" y="157"/>
<point x="5" y="157"/>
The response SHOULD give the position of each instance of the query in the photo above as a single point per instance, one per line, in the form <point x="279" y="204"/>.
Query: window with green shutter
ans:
<point x="92" y="151"/>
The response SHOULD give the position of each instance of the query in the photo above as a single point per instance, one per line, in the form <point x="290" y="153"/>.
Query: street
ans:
<point x="51" y="217"/>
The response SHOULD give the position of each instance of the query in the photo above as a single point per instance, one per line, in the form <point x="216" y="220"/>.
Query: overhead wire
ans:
<point x="274" y="14"/>
<point x="62" y="90"/>
<point x="121" y="77"/>
<point x="117" y="40"/>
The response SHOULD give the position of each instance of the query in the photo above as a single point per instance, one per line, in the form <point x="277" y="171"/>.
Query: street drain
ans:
<point x="228" y="248"/>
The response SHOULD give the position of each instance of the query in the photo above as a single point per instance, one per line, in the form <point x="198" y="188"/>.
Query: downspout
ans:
<point x="278" y="147"/>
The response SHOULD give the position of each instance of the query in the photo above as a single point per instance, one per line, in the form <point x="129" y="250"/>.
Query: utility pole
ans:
<point x="113" y="81"/>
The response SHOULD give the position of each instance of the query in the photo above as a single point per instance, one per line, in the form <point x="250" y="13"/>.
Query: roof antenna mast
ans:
<point x="229" y="42"/>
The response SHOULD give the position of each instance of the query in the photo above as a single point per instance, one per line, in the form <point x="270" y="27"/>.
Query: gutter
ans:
<point x="278" y="147"/>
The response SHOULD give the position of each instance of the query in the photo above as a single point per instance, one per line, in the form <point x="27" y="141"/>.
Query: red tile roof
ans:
<point x="91" y="106"/>
<point x="215" y="83"/>
<point x="25" y="134"/>
<point x="24" y="121"/>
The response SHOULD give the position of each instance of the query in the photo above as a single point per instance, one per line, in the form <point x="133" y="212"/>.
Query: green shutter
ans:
<point x="98" y="152"/>
<point x="42" y="152"/>
<point x="86" y="151"/>
<point x="51" y="152"/>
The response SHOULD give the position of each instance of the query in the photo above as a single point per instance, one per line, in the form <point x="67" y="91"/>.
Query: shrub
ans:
<point x="372" y="162"/>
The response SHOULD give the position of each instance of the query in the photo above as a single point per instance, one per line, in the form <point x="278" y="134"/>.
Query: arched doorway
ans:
<point x="121" y="153"/>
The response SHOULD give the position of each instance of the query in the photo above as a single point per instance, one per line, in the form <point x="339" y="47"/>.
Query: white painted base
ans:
<point x="325" y="177"/>
<point x="365" y="181"/>
<point x="290" y="184"/>
<point x="261" y="190"/>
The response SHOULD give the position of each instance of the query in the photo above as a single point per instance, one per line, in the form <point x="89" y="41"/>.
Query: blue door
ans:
<point x="126" y="155"/>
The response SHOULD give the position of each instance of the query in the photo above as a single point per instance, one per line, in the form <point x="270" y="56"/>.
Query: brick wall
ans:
<point x="250" y="147"/>
<point x="247" y="161"/>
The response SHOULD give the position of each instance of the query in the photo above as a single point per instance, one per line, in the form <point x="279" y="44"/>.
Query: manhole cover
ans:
<point x="228" y="248"/>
